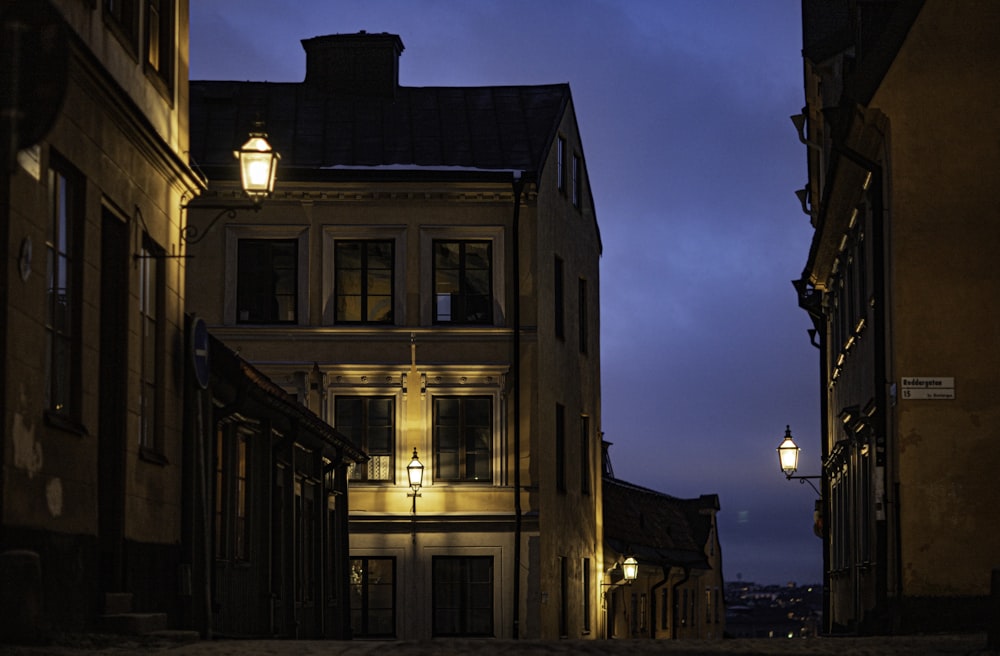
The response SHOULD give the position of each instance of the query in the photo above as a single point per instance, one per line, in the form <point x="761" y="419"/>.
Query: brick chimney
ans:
<point x="359" y="64"/>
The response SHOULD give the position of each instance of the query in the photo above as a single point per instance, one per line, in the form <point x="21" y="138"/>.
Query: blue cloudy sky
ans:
<point x="683" y="107"/>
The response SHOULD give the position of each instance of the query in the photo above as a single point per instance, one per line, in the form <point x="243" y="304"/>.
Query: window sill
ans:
<point x="64" y="423"/>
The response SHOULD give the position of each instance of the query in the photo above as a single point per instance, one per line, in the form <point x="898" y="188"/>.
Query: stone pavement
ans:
<point x="956" y="645"/>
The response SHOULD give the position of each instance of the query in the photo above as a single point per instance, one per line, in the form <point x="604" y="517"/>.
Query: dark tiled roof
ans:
<point x="493" y="128"/>
<point x="656" y="527"/>
<point x="230" y="370"/>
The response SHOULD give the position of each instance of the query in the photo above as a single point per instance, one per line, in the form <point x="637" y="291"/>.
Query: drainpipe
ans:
<point x="652" y="599"/>
<point x="518" y="185"/>
<point x="673" y="597"/>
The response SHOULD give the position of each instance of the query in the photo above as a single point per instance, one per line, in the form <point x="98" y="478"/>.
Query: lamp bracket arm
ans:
<point x="191" y="234"/>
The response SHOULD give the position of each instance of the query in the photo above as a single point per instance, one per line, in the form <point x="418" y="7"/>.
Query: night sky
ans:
<point x="683" y="107"/>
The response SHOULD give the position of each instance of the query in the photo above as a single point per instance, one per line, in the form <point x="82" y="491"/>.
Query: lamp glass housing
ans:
<point x="258" y="166"/>
<point x="415" y="472"/>
<point x="630" y="568"/>
<point x="788" y="454"/>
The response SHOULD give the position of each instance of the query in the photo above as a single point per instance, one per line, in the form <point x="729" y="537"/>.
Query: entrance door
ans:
<point x="113" y="383"/>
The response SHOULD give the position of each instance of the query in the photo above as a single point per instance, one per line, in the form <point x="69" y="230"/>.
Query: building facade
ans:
<point x="900" y="194"/>
<point x="425" y="278"/>
<point x="678" y="592"/>
<point x="92" y="395"/>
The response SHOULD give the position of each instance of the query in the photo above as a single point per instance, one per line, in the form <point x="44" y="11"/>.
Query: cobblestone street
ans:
<point x="846" y="646"/>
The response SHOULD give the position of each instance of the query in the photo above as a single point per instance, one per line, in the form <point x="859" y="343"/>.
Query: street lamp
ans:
<point x="415" y="474"/>
<point x="258" y="170"/>
<point x="630" y="568"/>
<point x="258" y="165"/>
<point x="788" y="459"/>
<point x="788" y="453"/>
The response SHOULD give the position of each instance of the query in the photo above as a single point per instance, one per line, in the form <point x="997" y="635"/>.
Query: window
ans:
<point x="558" y="293"/>
<point x="663" y="609"/>
<point x="267" y="281"/>
<point x="370" y="423"/>
<point x="63" y="277"/>
<point x="122" y="16"/>
<point x="583" y="315"/>
<point x="363" y="281"/>
<point x="586" y="595"/>
<point x="577" y="181"/>
<point x="151" y="310"/>
<point x="462" y="595"/>
<point x="585" y="472"/>
<point x="160" y="42"/>
<point x="463" y="438"/>
<point x="561" y="164"/>
<point x="463" y="282"/>
<point x="232" y="527"/>
<point x="373" y="597"/>
<point x="563" y="597"/>
<point x="560" y="447"/>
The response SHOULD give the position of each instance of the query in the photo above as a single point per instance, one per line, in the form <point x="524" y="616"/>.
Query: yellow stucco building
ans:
<point x="901" y="194"/>
<point x="425" y="278"/>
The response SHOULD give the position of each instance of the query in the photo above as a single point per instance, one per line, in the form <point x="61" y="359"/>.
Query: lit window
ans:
<point x="370" y="423"/>
<point x="160" y="41"/>
<point x="373" y="597"/>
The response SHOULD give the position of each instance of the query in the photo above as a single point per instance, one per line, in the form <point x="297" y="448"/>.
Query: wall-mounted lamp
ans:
<point x="630" y="569"/>
<point x="803" y="196"/>
<point x="799" y="121"/>
<point x="788" y="458"/>
<point x="624" y="571"/>
<point x="258" y="169"/>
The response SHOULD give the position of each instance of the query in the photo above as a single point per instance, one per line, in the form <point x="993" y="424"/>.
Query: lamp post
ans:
<point x="258" y="172"/>
<point x="788" y="459"/>
<point x="415" y="475"/>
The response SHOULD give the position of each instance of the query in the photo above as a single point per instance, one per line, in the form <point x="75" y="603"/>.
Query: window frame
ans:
<point x="364" y="585"/>
<point x="585" y="465"/>
<point x="494" y="234"/>
<point x="363" y="442"/>
<point x="464" y="594"/>
<point x="152" y="348"/>
<point x="559" y="432"/>
<point x="66" y="190"/>
<point x="233" y="482"/>
<point x="160" y="44"/>
<point x="236" y="233"/>
<point x="583" y="315"/>
<point x="561" y="151"/>
<point x="364" y="282"/>
<point x="577" y="173"/>
<point x="122" y="18"/>
<point x="463" y="476"/>
<point x="559" y="297"/>
<point x="464" y="308"/>
<point x="331" y="235"/>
